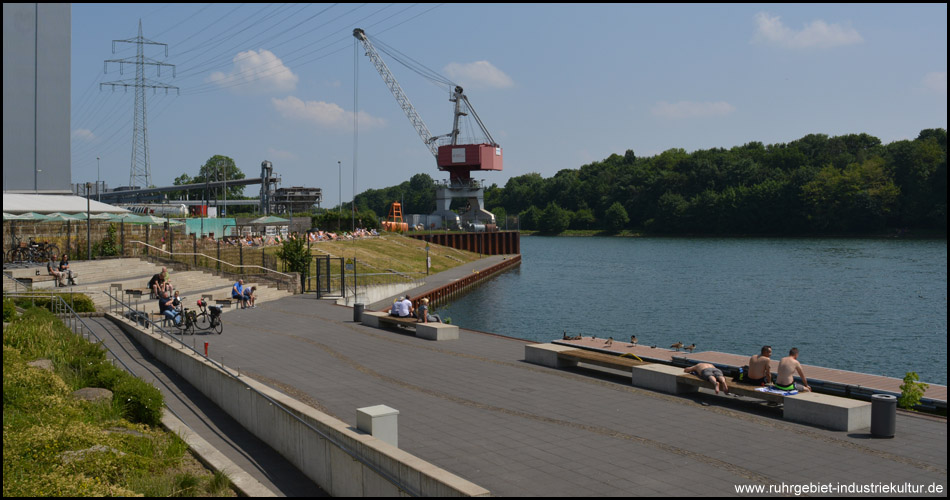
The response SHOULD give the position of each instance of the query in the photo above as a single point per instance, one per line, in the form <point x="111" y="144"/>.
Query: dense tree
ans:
<point x="616" y="217"/>
<point x="554" y="219"/>
<point x="815" y="184"/>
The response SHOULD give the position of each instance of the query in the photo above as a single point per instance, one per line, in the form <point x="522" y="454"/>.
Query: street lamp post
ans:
<point x="339" y="216"/>
<point x="98" y="195"/>
<point x="88" y="225"/>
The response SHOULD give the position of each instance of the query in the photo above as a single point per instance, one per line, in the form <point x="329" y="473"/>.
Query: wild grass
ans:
<point x="57" y="445"/>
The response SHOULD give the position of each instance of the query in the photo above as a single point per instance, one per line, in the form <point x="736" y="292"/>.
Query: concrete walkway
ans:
<point x="475" y="408"/>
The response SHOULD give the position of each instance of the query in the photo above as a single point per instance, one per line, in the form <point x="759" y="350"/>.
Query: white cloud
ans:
<point x="936" y="81"/>
<point x="688" y="109"/>
<point x="257" y="72"/>
<point x="324" y="114"/>
<point x="84" y="134"/>
<point x="278" y="154"/>
<point x="479" y="74"/>
<point x="769" y="29"/>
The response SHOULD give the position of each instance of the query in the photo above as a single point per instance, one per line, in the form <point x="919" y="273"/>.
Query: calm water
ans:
<point x="872" y="306"/>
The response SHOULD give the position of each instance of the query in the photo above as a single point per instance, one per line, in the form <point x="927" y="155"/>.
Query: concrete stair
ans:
<point x="94" y="277"/>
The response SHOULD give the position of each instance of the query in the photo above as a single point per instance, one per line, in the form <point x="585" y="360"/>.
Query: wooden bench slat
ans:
<point x="734" y="387"/>
<point x="599" y="359"/>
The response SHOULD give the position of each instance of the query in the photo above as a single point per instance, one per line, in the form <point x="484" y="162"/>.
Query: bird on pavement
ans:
<point x="610" y="341"/>
<point x="677" y="346"/>
<point x="690" y="347"/>
<point x="633" y="340"/>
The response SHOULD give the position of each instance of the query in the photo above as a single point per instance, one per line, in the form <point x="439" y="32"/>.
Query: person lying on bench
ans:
<point x="787" y="368"/>
<point x="706" y="371"/>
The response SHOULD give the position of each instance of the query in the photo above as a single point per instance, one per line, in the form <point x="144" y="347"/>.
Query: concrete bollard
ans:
<point x="380" y="421"/>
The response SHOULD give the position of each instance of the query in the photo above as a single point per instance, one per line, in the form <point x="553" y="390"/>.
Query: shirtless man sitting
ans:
<point x="706" y="371"/>
<point x="787" y="368"/>
<point x="760" y="367"/>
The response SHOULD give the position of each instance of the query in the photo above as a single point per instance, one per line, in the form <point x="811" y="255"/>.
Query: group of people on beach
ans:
<point x="758" y="372"/>
<point x="402" y="308"/>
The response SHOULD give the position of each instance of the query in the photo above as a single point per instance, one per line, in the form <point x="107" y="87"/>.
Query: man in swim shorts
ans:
<point x="706" y="371"/>
<point x="787" y="368"/>
<point x="760" y="367"/>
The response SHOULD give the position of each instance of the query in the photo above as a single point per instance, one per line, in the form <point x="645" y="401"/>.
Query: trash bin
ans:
<point x="357" y="312"/>
<point x="883" y="415"/>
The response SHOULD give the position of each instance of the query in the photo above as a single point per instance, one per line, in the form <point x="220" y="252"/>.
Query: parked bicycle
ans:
<point x="209" y="319"/>
<point x="32" y="252"/>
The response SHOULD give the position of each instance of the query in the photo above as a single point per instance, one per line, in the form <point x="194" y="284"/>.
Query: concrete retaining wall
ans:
<point x="322" y="459"/>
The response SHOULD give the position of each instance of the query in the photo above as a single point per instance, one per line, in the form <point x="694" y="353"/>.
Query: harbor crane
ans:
<point x="459" y="160"/>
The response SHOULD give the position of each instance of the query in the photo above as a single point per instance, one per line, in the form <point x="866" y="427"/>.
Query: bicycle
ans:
<point x="32" y="251"/>
<point x="209" y="318"/>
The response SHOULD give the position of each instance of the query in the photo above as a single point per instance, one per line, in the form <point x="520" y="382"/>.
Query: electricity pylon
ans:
<point x="141" y="170"/>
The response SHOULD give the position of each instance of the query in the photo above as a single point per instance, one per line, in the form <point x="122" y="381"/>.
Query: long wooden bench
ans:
<point x="600" y="359"/>
<point x="811" y="408"/>
<point x="737" y="388"/>
<point x="429" y="331"/>
<point x="560" y="356"/>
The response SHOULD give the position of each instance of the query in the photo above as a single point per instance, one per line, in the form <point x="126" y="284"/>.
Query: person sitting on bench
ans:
<point x="154" y="283"/>
<point x="54" y="272"/>
<point x="422" y="312"/>
<point x="249" y="296"/>
<point x="787" y="368"/>
<point x="64" y="268"/>
<point x="760" y="367"/>
<point x="167" y="308"/>
<point x="402" y="308"/>
<point x="707" y="371"/>
<point x="237" y="293"/>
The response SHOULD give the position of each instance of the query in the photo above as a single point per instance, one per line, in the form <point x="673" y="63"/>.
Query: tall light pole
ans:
<point x="339" y="216"/>
<point x="88" y="226"/>
<point x="98" y="195"/>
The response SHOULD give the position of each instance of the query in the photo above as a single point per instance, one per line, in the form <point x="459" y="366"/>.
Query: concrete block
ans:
<point x="546" y="355"/>
<point x="659" y="377"/>
<point x="832" y="412"/>
<point x="437" y="331"/>
<point x="380" y="421"/>
<point x="371" y="318"/>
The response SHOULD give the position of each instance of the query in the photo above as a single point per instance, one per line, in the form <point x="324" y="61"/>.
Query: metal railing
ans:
<point x="213" y="259"/>
<point x="139" y="317"/>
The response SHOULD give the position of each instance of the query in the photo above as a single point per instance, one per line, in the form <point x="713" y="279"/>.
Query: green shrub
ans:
<point x="78" y="301"/>
<point x="141" y="402"/>
<point x="9" y="310"/>
<point x="911" y="391"/>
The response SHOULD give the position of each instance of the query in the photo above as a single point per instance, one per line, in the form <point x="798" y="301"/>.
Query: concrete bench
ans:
<point x="824" y="410"/>
<point x="428" y="331"/>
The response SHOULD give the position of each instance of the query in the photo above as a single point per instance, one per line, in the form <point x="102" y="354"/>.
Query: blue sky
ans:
<point x="558" y="86"/>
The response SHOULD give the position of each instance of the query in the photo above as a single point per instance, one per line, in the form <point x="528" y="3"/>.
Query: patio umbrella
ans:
<point x="57" y="218"/>
<point x="32" y="216"/>
<point x="56" y="215"/>
<point x="82" y="216"/>
<point x="7" y="216"/>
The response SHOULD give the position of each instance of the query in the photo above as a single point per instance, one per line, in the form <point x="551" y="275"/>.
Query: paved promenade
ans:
<point x="475" y="408"/>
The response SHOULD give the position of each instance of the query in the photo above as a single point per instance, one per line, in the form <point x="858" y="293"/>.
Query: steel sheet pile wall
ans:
<point x="489" y="243"/>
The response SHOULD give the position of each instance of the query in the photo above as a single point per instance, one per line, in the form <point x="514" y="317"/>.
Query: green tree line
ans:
<point x="816" y="184"/>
